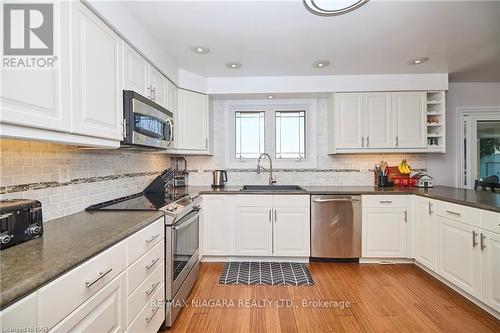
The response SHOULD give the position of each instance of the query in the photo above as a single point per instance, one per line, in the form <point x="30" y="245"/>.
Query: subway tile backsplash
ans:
<point x="67" y="179"/>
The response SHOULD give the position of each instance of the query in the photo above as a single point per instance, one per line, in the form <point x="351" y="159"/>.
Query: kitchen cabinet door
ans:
<point x="425" y="233"/>
<point x="159" y="87"/>
<point x="349" y="120"/>
<point x="491" y="269"/>
<point x="96" y="67"/>
<point x="291" y="232"/>
<point x="459" y="255"/>
<point x="20" y="315"/>
<point x="384" y="233"/>
<point x="378" y="120"/>
<point x="171" y="97"/>
<point x="40" y="98"/>
<point x="135" y="72"/>
<point x="215" y="225"/>
<point x="192" y="121"/>
<point x="254" y="231"/>
<point x="410" y="119"/>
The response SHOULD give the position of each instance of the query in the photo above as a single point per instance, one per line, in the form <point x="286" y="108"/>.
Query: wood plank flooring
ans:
<point x="383" y="298"/>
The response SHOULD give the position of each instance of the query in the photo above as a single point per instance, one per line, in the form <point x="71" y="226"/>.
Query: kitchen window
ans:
<point x="282" y="128"/>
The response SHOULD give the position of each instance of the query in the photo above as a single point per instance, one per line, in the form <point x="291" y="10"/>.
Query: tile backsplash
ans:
<point x="67" y="179"/>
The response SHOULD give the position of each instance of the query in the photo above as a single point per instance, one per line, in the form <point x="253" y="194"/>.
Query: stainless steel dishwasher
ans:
<point x="336" y="226"/>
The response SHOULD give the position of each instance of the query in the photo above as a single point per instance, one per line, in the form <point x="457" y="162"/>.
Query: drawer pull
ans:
<point x="152" y="238"/>
<point x="482" y="238"/>
<point x="453" y="213"/>
<point x="385" y="201"/>
<point x="153" y="262"/>
<point x="153" y="287"/>
<point x="89" y="284"/>
<point x="150" y="317"/>
<point x="474" y="234"/>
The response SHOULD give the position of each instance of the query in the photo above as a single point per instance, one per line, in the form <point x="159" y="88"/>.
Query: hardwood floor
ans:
<point x="383" y="298"/>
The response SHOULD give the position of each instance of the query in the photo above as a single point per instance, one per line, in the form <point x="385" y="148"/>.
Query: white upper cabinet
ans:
<point x="40" y="98"/>
<point x="378" y="129"/>
<point x="135" y="72"/>
<point x="192" y="121"/>
<point x="171" y="96"/>
<point x="349" y="120"/>
<point x="410" y="119"/>
<point x="158" y="87"/>
<point x="96" y="68"/>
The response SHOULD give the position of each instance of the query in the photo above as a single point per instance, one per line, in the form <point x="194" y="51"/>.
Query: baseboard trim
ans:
<point x="386" y="261"/>
<point x="465" y="294"/>
<point x="244" y="258"/>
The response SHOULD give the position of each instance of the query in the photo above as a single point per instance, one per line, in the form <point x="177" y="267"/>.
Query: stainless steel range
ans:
<point x="182" y="225"/>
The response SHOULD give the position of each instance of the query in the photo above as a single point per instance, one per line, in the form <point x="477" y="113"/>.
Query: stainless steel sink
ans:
<point x="274" y="188"/>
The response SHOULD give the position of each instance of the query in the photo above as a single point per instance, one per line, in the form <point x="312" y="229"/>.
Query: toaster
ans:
<point x="20" y="221"/>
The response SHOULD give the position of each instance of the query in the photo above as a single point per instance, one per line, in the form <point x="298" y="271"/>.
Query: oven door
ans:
<point x="183" y="245"/>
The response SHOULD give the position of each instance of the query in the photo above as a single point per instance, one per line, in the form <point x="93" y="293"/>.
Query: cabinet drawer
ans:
<point x="140" y="242"/>
<point x="144" y="266"/>
<point x="294" y="201"/>
<point x="382" y="201"/>
<point x="458" y="213"/>
<point x="19" y="315"/>
<point x="247" y="200"/>
<point x="490" y="221"/>
<point x="144" y="292"/>
<point x="152" y="314"/>
<point x="76" y="286"/>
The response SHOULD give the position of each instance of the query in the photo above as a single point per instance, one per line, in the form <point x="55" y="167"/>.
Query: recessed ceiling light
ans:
<point x="321" y="64"/>
<point x="270" y="96"/>
<point x="233" y="65"/>
<point x="200" y="49"/>
<point x="332" y="8"/>
<point x="419" y="61"/>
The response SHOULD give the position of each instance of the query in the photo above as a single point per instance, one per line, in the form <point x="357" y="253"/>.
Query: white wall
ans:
<point x="444" y="167"/>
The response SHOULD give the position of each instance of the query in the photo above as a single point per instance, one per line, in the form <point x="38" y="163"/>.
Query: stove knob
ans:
<point x="5" y="239"/>
<point x="194" y="196"/>
<point x="33" y="229"/>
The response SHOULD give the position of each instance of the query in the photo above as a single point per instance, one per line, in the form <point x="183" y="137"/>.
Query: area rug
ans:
<point x="266" y="273"/>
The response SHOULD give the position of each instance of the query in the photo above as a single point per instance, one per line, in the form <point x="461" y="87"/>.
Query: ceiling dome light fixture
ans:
<point x="419" y="61"/>
<point x="321" y="64"/>
<point x="332" y="7"/>
<point x="233" y="65"/>
<point x="270" y="96"/>
<point x="200" y="49"/>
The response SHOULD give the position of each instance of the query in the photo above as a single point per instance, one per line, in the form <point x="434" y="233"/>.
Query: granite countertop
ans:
<point x="482" y="200"/>
<point x="66" y="243"/>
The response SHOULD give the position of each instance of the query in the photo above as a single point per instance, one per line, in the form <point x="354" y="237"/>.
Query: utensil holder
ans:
<point x="383" y="181"/>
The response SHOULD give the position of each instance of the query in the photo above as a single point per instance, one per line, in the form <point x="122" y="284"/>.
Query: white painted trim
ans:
<point x="253" y="259"/>
<point x="462" y="112"/>
<point x="458" y="290"/>
<point x="327" y="83"/>
<point x="386" y="261"/>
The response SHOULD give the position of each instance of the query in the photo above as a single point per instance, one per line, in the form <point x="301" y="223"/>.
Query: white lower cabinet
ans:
<point x="20" y="315"/>
<point x="215" y="224"/>
<point x="254" y="231"/>
<point x="425" y="233"/>
<point x="490" y="244"/>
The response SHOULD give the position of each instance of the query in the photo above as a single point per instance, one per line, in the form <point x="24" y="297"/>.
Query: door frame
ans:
<point x="478" y="112"/>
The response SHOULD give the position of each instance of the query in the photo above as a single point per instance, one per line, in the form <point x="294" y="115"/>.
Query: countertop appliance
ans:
<point x="20" y="221"/>
<point x="180" y="171"/>
<point x="219" y="178"/>
<point x="182" y="224"/>
<point x="146" y="123"/>
<point x="336" y="226"/>
<point x="423" y="180"/>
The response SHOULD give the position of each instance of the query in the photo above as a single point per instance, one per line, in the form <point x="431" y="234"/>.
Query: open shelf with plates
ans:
<point x="436" y="129"/>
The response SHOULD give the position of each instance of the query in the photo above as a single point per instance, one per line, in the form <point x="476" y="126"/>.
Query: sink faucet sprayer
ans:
<point x="259" y="168"/>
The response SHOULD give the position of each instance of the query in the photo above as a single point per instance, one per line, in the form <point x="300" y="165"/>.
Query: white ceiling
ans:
<point x="281" y="38"/>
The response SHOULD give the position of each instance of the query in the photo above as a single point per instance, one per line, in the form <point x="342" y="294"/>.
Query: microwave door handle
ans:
<point x="188" y="222"/>
<point x="170" y="132"/>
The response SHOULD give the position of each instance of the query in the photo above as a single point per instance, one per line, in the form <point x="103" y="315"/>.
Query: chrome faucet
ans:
<point x="270" y="170"/>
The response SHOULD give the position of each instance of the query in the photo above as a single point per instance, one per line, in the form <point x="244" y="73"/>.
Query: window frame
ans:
<point x="269" y="107"/>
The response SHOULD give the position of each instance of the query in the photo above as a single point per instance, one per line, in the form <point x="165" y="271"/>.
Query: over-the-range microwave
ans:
<point x="147" y="124"/>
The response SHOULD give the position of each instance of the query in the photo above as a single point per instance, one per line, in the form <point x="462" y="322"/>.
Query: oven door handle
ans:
<point x="185" y="224"/>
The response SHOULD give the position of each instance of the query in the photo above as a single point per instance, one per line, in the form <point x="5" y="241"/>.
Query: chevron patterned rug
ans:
<point x="266" y="273"/>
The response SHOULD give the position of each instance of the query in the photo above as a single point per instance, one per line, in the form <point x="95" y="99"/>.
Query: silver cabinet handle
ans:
<point x="406" y="216"/>
<point x="152" y="238"/>
<point x="150" y="89"/>
<point x="367" y="141"/>
<point x="335" y="200"/>
<point x="362" y="141"/>
<point x="206" y="143"/>
<point x="385" y="201"/>
<point x="270" y="215"/>
<point x="153" y="93"/>
<point x="89" y="284"/>
<point x="150" y="317"/>
<point x="453" y="213"/>
<point x="482" y="238"/>
<point x="430" y="208"/>
<point x="397" y="141"/>
<point x="153" y="262"/>
<point x="474" y="234"/>
<point x="153" y="287"/>
<point x="275" y="215"/>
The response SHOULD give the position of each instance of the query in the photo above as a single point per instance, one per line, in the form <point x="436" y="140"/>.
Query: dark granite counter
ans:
<point x="482" y="200"/>
<point x="66" y="243"/>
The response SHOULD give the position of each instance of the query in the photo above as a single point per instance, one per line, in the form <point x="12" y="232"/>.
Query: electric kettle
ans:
<point x="219" y="178"/>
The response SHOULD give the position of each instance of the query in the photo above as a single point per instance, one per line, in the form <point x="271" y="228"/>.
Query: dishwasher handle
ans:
<point x="336" y="200"/>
